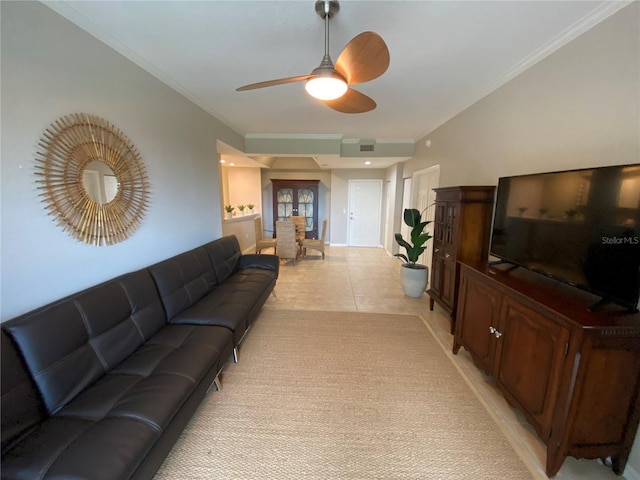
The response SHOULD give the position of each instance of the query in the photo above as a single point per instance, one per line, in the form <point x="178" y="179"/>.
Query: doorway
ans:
<point x="365" y="205"/>
<point x="423" y="197"/>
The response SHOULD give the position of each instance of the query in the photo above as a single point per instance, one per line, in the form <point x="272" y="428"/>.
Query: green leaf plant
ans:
<point x="416" y="246"/>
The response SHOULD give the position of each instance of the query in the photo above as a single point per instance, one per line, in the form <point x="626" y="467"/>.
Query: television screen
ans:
<point x="581" y="227"/>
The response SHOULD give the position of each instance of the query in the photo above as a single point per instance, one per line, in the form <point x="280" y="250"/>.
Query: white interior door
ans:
<point x="365" y="205"/>
<point x="423" y="184"/>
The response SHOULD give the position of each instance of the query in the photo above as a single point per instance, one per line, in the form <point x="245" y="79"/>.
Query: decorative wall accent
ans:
<point x="92" y="179"/>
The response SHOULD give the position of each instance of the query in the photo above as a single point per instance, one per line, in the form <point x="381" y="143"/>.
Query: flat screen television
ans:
<point x="581" y="227"/>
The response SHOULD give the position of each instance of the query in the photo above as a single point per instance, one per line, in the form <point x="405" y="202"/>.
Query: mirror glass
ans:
<point x="100" y="182"/>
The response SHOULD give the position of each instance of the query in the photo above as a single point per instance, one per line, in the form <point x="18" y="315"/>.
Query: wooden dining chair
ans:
<point x="301" y="227"/>
<point x="286" y="244"/>
<point x="315" y="244"/>
<point x="262" y="242"/>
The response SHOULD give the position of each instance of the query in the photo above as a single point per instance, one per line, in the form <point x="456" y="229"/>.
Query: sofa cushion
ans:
<point x="55" y="346"/>
<point x="183" y="280"/>
<point x="147" y="311"/>
<point x="219" y="309"/>
<point x="232" y="303"/>
<point x="224" y="254"/>
<point x="66" y="448"/>
<point x="21" y="406"/>
<point x="254" y="283"/>
<point x="106" y="314"/>
<point x="125" y="411"/>
<point x="68" y="345"/>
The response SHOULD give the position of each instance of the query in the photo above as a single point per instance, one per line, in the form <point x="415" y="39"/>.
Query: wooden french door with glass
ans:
<point x="297" y="198"/>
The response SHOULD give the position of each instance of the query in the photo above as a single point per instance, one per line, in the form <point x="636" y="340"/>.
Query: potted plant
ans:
<point x="241" y="208"/>
<point x="414" y="275"/>
<point x="250" y="206"/>
<point x="228" y="211"/>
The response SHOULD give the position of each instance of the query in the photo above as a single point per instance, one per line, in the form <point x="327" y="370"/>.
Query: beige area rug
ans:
<point x="333" y="395"/>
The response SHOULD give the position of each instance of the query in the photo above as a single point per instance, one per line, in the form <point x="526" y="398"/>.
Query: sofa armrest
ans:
<point x="263" y="261"/>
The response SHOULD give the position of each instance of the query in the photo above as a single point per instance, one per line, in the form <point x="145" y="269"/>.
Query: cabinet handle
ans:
<point x="436" y="250"/>
<point x="447" y="255"/>
<point x="494" y="331"/>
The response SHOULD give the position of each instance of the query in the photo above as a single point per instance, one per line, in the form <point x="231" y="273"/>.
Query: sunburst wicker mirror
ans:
<point x="92" y="178"/>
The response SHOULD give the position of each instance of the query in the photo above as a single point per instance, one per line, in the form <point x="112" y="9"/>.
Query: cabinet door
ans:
<point x="284" y="205"/>
<point x="437" y="266"/>
<point x="448" y="285"/>
<point x="479" y="314"/>
<point x="298" y="198"/>
<point x="307" y="203"/>
<point x="439" y="225"/>
<point x="450" y="224"/>
<point x="529" y="361"/>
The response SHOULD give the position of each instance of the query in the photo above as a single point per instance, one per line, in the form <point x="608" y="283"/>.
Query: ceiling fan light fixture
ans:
<point x="327" y="87"/>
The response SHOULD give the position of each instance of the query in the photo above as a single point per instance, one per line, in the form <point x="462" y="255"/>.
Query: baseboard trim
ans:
<point x="631" y="473"/>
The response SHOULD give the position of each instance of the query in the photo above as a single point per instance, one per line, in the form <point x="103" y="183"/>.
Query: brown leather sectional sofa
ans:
<point x="99" y="385"/>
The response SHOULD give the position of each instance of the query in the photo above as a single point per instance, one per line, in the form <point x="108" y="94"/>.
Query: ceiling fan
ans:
<point x="364" y="58"/>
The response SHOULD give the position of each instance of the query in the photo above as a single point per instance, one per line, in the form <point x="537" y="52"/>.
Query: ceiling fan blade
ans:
<point x="271" y="83"/>
<point x="364" y="58"/>
<point x="352" y="102"/>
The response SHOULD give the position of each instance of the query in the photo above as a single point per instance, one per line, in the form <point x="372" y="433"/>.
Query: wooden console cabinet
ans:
<point x="461" y="232"/>
<point x="574" y="374"/>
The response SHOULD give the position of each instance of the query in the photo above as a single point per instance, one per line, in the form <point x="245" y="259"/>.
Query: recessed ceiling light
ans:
<point x="232" y="164"/>
<point x="222" y="160"/>
<point x="368" y="162"/>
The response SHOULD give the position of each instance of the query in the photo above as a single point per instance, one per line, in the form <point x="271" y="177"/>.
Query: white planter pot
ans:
<point x="414" y="280"/>
<point x="228" y="215"/>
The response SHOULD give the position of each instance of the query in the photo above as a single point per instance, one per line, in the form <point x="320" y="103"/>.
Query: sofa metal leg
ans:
<point x="216" y="384"/>
<point x="273" y="292"/>
<point x="235" y="354"/>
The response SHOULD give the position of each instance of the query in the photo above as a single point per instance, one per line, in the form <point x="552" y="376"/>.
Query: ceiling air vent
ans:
<point x="366" y="148"/>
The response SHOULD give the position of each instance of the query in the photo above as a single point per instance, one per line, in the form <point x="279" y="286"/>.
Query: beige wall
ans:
<point x="243" y="228"/>
<point x="241" y="187"/>
<point x="52" y="68"/>
<point x="577" y="108"/>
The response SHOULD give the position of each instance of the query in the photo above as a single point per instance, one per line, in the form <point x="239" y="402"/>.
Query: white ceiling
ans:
<point x="445" y="55"/>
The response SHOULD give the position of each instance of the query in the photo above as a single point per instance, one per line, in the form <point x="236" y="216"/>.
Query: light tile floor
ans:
<point x="368" y="280"/>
